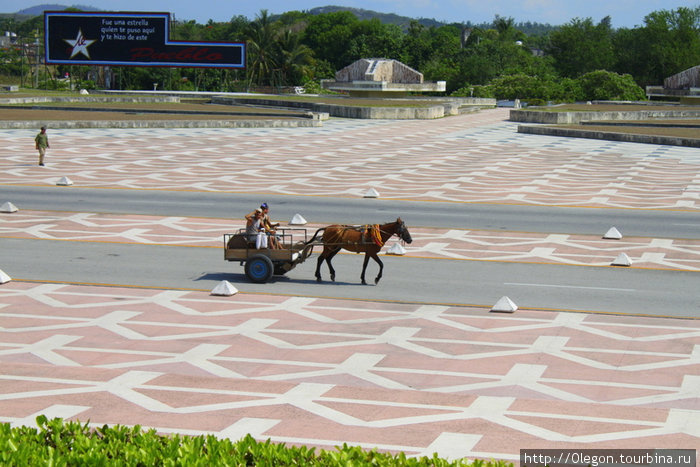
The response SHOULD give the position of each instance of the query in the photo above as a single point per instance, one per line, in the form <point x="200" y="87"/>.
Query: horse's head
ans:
<point x="402" y="231"/>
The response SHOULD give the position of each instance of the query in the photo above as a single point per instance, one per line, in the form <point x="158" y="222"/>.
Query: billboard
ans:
<point x="129" y="39"/>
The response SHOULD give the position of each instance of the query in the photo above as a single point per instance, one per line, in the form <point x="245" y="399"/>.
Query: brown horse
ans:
<point x="367" y="239"/>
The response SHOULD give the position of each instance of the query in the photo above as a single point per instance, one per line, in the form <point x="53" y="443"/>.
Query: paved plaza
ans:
<point x="459" y="381"/>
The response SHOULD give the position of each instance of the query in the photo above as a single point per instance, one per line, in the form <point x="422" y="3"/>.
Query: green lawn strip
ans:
<point x="611" y="108"/>
<point x="150" y="106"/>
<point x="677" y="122"/>
<point x="352" y="101"/>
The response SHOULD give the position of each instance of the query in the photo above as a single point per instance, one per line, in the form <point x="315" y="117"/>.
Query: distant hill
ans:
<point x="404" y="21"/>
<point x="386" y="18"/>
<point x="40" y="9"/>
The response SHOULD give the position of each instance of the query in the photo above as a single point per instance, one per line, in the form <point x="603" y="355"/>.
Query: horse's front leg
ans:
<point x="364" y="268"/>
<point x="381" y="267"/>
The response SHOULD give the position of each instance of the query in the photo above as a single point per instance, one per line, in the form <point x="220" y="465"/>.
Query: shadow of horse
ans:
<point x="367" y="239"/>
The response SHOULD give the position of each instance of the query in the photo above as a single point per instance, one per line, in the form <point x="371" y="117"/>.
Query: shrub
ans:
<point x="607" y="85"/>
<point x="72" y="443"/>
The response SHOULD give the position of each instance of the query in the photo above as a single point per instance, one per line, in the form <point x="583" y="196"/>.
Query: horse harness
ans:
<point x="369" y="233"/>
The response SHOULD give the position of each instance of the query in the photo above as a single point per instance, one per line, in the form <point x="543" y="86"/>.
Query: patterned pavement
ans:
<point x="469" y="158"/>
<point x="421" y="379"/>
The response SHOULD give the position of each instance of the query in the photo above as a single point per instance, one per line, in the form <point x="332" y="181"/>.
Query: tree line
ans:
<point x="580" y="60"/>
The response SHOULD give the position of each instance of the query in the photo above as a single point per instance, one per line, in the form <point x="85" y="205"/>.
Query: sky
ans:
<point x="624" y="13"/>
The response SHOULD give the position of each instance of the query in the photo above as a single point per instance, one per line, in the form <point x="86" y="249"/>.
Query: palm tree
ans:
<point x="295" y="58"/>
<point x="262" y="49"/>
<point x="505" y="27"/>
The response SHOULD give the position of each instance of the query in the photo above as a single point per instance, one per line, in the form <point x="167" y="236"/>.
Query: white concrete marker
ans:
<point x="505" y="305"/>
<point x="372" y="193"/>
<point x="8" y="207"/>
<point x="622" y="260"/>
<point x="613" y="234"/>
<point x="396" y="249"/>
<point x="64" y="181"/>
<point x="4" y="278"/>
<point x="224" y="288"/>
<point x="297" y="220"/>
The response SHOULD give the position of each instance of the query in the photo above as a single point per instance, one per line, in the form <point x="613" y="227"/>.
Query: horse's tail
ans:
<point x="322" y="229"/>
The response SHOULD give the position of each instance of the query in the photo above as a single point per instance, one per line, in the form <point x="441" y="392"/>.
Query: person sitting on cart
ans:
<point x="270" y="228"/>
<point x="256" y="227"/>
<point x="254" y="230"/>
<point x="266" y="218"/>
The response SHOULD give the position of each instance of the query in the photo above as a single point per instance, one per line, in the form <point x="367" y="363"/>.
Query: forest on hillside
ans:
<point x="580" y="60"/>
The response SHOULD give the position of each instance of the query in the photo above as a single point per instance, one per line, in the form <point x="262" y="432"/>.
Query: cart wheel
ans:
<point x="259" y="268"/>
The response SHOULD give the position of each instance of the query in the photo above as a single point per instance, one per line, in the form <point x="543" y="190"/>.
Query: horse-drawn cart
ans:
<point x="261" y="264"/>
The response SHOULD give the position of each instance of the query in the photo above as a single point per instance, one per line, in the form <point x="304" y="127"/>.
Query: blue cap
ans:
<point x="263" y="206"/>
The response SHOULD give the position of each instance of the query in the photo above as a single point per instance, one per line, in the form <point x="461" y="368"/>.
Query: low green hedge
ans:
<point x="58" y="443"/>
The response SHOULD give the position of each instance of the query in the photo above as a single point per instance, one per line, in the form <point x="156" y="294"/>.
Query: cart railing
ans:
<point x="293" y="242"/>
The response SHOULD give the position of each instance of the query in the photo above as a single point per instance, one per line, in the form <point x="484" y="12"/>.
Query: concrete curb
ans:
<point x="345" y="111"/>
<point x="562" y="118"/>
<point x="609" y="136"/>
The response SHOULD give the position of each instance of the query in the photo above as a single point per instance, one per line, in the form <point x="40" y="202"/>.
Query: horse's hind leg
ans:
<point x="326" y="255"/>
<point x="319" y="261"/>
<point x="330" y="266"/>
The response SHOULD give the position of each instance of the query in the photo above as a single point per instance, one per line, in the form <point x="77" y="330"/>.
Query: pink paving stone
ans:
<point x="653" y="376"/>
<point x="457" y="349"/>
<point x="263" y="369"/>
<point x="623" y="360"/>
<point x="516" y="338"/>
<point x="181" y="399"/>
<point x="615" y="322"/>
<point x="245" y="347"/>
<point x="22" y="358"/>
<point x="220" y="384"/>
<point x="99" y="339"/>
<point x="608" y="393"/>
<point x="688" y="403"/>
<point x="579" y="427"/>
<point x="373" y="412"/>
<point x="354" y="314"/>
<point x="648" y="332"/>
<point x="426" y="382"/>
<point x="102" y="358"/>
<point x="19" y="386"/>
<point x="337" y="379"/>
<point x="63" y="372"/>
<point x="511" y="391"/>
<point x="589" y="340"/>
<point x="590" y="409"/>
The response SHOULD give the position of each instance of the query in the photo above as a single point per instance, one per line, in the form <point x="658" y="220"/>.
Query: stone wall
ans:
<point x="689" y="78"/>
<point x="378" y="69"/>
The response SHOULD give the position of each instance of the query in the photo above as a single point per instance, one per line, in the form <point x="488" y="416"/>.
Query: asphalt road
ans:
<point x="416" y="280"/>
<point x="520" y="218"/>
